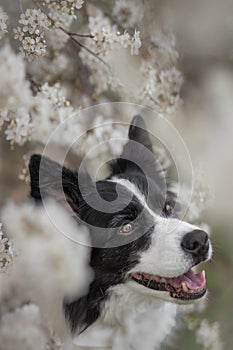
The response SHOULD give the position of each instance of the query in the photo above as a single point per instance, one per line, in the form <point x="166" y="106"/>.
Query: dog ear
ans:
<point x="49" y="178"/>
<point x="137" y="154"/>
<point x="138" y="132"/>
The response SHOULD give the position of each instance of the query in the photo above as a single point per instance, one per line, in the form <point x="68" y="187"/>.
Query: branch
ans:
<point x="85" y="47"/>
<point x="21" y="6"/>
<point x="91" y="36"/>
<point x="71" y="35"/>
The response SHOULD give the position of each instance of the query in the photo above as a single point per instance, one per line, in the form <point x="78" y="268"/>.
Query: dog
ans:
<point x="142" y="255"/>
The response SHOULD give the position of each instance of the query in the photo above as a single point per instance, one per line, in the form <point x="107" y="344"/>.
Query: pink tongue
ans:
<point x="193" y="280"/>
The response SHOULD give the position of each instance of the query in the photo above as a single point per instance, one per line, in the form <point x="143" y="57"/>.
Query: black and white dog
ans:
<point x="142" y="255"/>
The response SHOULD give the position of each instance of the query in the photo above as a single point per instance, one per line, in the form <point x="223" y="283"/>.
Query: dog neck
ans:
<point x="152" y="319"/>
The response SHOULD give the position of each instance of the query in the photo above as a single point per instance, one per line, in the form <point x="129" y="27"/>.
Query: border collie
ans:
<point x="142" y="255"/>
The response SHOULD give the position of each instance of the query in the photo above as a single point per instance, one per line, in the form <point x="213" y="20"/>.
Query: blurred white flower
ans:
<point x="208" y="335"/>
<point x="6" y="252"/>
<point x="128" y="12"/>
<point x="57" y="39"/>
<point x="15" y="90"/>
<point x="163" y="49"/>
<point x="25" y="175"/>
<point x="3" y="117"/>
<point x="136" y="43"/>
<point x="162" y="86"/>
<point x="202" y="196"/>
<point x="104" y="136"/>
<point x="52" y="110"/>
<point x="63" y="12"/>
<point x="106" y="39"/>
<point x="23" y="329"/>
<point x="52" y="249"/>
<point x="3" y="20"/>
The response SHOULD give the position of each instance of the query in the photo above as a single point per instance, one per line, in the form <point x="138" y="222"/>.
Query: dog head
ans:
<point x="137" y="238"/>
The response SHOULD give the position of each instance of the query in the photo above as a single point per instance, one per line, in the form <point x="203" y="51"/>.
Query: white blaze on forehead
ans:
<point x="136" y="192"/>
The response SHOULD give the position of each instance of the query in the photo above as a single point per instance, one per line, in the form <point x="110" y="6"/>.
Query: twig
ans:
<point x="71" y="35"/>
<point x="21" y="6"/>
<point x="33" y="83"/>
<point x="91" y="36"/>
<point x="86" y="48"/>
<point x="153" y="100"/>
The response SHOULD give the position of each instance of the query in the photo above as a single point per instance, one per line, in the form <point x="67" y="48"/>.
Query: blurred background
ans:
<point x="201" y="49"/>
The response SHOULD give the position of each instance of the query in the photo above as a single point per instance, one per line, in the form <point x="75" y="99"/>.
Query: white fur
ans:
<point x="130" y="320"/>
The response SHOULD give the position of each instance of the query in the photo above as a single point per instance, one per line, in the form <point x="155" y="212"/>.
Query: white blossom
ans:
<point x="104" y="132"/>
<point x="136" y="43"/>
<point x="49" y="111"/>
<point x="20" y="129"/>
<point x="57" y="39"/>
<point x="162" y="86"/>
<point x="63" y="12"/>
<point x="3" y="117"/>
<point x="25" y="175"/>
<point x="32" y="34"/>
<point x="128" y="12"/>
<point x="3" y="21"/>
<point x="15" y="91"/>
<point x="58" y="246"/>
<point x="6" y="251"/>
<point x="163" y="51"/>
<point x="208" y="336"/>
<point x="23" y="329"/>
<point x="202" y="196"/>
<point x="106" y="39"/>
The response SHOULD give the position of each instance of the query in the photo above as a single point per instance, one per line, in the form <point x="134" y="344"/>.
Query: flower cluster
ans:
<point x="16" y="97"/>
<point x="209" y="336"/>
<point x="50" y="110"/>
<point x="106" y="39"/>
<point x="103" y="137"/>
<point x="128" y="12"/>
<point x="162" y="86"/>
<point x="32" y="33"/>
<point x="20" y="127"/>
<point x="30" y="331"/>
<point x="63" y="12"/>
<point x="6" y="252"/>
<point x="57" y="249"/>
<point x="3" y="21"/>
<point x="202" y="196"/>
<point x="15" y="89"/>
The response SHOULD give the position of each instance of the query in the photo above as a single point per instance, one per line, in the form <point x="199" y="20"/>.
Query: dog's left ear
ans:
<point x="138" y="132"/>
<point x="51" y="179"/>
<point x="137" y="154"/>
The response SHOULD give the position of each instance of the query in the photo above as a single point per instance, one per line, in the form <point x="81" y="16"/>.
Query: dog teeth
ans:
<point x="184" y="287"/>
<point x="203" y="273"/>
<point x="163" y="280"/>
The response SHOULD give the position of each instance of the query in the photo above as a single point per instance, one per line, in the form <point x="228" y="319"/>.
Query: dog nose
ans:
<point x="196" y="243"/>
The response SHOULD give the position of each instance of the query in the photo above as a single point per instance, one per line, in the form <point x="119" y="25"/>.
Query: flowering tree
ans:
<point x="61" y="57"/>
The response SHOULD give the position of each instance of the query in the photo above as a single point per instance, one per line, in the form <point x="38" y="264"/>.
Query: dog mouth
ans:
<point x="186" y="287"/>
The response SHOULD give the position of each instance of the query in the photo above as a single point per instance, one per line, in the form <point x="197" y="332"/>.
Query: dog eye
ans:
<point x="127" y="228"/>
<point x="168" y="209"/>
